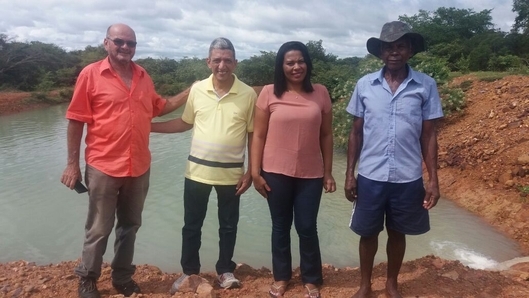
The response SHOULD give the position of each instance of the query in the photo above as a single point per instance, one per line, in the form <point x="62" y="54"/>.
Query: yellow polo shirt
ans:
<point x="220" y="130"/>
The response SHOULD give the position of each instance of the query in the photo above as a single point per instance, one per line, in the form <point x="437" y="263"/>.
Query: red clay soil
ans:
<point x="483" y="163"/>
<point x="14" y="102"/>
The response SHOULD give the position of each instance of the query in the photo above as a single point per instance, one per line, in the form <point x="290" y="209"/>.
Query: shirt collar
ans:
<point x="105" y="66"/>
<point x="234" y="88"/>
<point x="379" y="76"/>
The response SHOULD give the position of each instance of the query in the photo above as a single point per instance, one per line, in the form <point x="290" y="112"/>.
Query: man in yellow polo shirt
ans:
<point x="220" y="108"/>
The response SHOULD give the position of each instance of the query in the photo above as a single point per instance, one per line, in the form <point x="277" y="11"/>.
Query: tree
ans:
<point x="454" y="34"/>
<point x="446" y="25"/>
<point x="521" y="21"/>
<point x="317" y="51"/>
<point x="89" y="55"/>
<point x="24" y="65"/>
<point x="257" y="70"/>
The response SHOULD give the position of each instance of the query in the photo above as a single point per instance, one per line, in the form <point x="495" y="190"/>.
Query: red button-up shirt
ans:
<point x="118" y="118"/>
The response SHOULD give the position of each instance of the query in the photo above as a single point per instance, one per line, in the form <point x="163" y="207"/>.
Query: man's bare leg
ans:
<point x="367" y="249"/>
<point x="395" y="249"/>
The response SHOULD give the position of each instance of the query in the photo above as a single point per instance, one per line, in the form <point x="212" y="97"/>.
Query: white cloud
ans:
<point x="175" y="29"/>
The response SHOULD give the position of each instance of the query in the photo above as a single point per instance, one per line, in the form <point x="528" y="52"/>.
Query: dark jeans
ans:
<point x="295" y="199"/>
<point x="196" y="197"/>
<point x="112" y="198"/>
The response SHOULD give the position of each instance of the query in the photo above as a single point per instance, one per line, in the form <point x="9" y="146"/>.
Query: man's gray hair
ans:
<point x="221" y="43"/>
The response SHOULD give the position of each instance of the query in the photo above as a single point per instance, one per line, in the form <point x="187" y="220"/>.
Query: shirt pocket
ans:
<point x="410" y="108"/>
<point x="143" y="103"/>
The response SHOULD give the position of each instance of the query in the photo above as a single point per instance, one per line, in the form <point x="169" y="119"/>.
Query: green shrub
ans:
<point x="343" y="90"/>
<point x="524" y="193"/>
<point x="504" y="63"/>
<point x="524" y="189"/>
<point x="452" y="99"/>
<point x="433" y="66"/>
<point x="341" y="123"/>
<point x="47" y="82"/>
<point x="463" y="65"/>
<point x="368" y="65"/>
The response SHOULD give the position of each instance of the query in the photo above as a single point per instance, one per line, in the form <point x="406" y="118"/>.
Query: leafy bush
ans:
<point x="504" y="63"/>
<point x="463" y="65"/>
<point x="341" y="123"/>
<point x="344" y="88"/>
<point x="433" y="66"/>
<point x="47" y="82"/>
<point x="368" y="65"/>
<point x="452" y="99"/>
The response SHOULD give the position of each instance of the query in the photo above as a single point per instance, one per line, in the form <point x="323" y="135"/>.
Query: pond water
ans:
<point x="43" y="221"/>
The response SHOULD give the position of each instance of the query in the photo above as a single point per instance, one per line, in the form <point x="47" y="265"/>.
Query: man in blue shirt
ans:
<point x="393" y="132"/>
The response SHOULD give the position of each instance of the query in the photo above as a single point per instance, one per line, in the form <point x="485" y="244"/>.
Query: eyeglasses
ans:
<point x="120" y="42"/>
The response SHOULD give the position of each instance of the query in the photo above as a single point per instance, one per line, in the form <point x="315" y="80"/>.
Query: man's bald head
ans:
<point x="120" y="28"/>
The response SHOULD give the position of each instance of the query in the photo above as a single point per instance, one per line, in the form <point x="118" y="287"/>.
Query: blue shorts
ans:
<point x="400" y="203"/>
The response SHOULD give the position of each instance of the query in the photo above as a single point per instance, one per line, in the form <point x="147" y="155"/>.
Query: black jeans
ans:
<point x="196" y="197"/>
<point x="298" y="200"/>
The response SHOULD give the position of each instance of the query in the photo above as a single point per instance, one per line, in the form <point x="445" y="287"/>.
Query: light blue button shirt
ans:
<point x="391" y="150"/>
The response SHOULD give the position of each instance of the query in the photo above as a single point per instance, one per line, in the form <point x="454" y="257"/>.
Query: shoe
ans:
<point x="228" y="281"/>
<point x="176" y="285"/>
<point x="88" y="288"/>
<point x="127" y="288"/>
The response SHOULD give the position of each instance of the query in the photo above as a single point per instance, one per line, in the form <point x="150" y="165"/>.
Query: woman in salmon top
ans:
<point x="291" y="163"/>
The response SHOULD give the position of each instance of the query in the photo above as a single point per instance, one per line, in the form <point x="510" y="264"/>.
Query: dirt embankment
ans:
<point x="483" y="164"/>
<point x="484" y="154"/>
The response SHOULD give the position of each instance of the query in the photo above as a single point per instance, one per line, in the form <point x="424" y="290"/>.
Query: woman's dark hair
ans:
<point x="280" y="81"/>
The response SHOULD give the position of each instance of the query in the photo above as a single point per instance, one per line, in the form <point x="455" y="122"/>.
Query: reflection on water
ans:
<point x="43" y="221"/>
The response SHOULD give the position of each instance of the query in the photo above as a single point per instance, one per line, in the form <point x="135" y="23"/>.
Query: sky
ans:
<point x="176" y="28"/>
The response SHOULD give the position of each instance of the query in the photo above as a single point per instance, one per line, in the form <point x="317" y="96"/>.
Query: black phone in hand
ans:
<point x="79" y="187"/>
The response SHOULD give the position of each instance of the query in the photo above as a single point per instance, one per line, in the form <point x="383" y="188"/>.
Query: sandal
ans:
<point x="277" y="289"/>
<point x="312" y="293"/>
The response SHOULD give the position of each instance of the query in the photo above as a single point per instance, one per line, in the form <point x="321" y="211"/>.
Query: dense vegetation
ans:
<point x="459" y="40"/>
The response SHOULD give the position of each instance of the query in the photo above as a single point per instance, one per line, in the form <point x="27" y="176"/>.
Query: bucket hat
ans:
<point x="391" y="32"/>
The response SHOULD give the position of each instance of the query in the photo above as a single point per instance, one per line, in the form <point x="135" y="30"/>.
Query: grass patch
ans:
<point x="487" y="76"/>
<point x="490" y="76"/>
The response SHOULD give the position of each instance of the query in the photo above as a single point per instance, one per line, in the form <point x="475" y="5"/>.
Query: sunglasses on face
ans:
<point x="120" y="42"/>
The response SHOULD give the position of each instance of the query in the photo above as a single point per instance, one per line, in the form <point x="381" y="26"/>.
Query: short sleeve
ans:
<point x="432" y="108"/>
<point x="263" y="101"/>
<point x="80" y="108"/>
<point x="355" y="106"/>
<point x="188" y="116"/>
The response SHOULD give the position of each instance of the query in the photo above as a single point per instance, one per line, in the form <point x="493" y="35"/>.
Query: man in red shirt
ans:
<point x="116" y="99"/>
